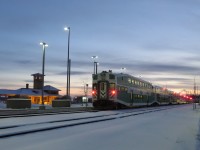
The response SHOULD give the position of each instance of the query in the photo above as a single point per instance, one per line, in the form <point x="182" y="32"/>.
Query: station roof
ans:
<point x="50" y="88"/>
<point x="25" y="91"/>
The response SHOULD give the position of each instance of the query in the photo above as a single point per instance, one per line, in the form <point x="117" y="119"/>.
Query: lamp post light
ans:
<point x="123" y="69"/>
<point x="43" y="63"/>
<point x="68" y="65"/>
<point x="95" y="64"/>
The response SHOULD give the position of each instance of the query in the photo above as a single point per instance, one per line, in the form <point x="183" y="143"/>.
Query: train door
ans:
<point x="103" y="90"/>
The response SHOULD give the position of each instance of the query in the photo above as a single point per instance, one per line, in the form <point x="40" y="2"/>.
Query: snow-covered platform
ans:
<point x="170" y="129"/>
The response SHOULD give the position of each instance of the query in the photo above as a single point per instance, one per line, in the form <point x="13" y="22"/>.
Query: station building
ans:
<point x="35" y="93"/>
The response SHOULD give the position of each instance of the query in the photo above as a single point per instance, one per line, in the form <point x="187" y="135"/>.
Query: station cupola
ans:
<point x="37" y="80"/>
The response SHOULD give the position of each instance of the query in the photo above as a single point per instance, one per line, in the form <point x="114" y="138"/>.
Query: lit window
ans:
<point x="133" y="82"/>
<point x="112" y="86"/>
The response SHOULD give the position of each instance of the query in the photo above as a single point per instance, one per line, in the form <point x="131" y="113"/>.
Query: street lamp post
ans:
<point x="43" y="63"/>
<point x="68" y="65"/>
<point x="95" y="64"/>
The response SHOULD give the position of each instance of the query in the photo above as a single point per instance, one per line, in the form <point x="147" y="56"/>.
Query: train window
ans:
<point x="122" y="88"/>
<point x="133" y="81"/>
<point x="112" y="86"/>
<point x="102" y="86"/>
<point x="143" y="84"/>
<point x="95" y="77"/>
<point x="118" y="88"/>
<point x="129" y="80"/>
<point x="94" y="86"/>
<point x="111" y="76"/>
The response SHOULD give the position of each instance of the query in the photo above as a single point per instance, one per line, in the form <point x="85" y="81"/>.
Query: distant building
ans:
<point x="50" y="92"/>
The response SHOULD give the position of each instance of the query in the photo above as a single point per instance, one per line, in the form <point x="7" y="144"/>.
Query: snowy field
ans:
<point x="172" y="129"/>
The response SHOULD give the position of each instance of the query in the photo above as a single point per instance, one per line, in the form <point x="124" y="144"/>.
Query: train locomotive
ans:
<point x="118" y="90"/>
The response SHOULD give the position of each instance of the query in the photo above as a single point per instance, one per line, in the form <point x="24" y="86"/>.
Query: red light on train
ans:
<point x="93" y="92"/>
<point x="113" y="92"/>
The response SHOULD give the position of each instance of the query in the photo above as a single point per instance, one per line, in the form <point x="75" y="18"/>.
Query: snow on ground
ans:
<point x="172" y="129"/>
<point x="36" y="106"/>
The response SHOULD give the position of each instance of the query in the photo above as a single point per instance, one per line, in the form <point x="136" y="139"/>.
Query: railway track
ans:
<point x="29" y="128"/>
<point x="36" y="112"/>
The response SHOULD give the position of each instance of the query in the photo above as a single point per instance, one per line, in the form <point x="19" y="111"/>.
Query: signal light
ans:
<point x="93" y="92"/>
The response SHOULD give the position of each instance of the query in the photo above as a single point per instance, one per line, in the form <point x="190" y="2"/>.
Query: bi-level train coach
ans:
<point x="116" y="90"/>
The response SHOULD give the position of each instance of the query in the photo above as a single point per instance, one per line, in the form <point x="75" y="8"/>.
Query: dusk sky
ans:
<point x="158" y="40"/>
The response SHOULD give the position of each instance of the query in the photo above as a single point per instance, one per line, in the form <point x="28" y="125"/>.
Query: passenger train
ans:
<point x="117" y="90"/>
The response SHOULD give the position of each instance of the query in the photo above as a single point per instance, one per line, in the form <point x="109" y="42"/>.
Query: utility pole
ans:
<point x="86" y="93"/>
<point x="194" y="99"/>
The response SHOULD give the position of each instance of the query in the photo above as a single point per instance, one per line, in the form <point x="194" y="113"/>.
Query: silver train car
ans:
<point x="117" y="90"/>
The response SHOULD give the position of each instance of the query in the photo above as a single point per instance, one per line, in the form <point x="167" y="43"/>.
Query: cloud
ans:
<point x="24" y="62"/>
<point x="148" y="67"/>
<point x="75" y="73"/>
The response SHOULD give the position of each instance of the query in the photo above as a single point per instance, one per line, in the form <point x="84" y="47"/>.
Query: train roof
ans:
<point x="126" y="75"/>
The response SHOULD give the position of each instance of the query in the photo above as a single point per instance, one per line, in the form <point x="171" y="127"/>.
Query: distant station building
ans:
<point x="50" y="92"/>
